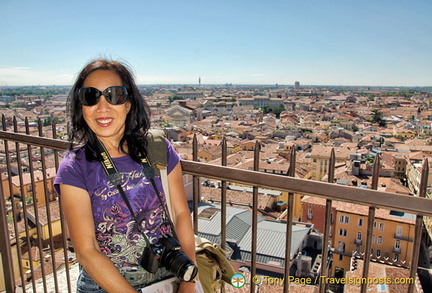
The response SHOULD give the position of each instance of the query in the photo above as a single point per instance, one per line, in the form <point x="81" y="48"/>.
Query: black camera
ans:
<point x="167" y="253"/>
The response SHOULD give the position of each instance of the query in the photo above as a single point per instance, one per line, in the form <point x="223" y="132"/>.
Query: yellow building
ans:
<point x="403" y="133"/>
<point x="209" y="153"/>
<point x="43" y="226"/>
<point x="233" y="148"/>
<point x="400" y="165"/>
<point x="34" y="259"/>
<point x="249" y="145"/>
<point x="413" y="173"/>
<point x="392" y="236"/>
<point x="286" y="147"/>
<point x="39" y="191"/>
<point x="216" y="136"/>
<point x="320" y="159"/>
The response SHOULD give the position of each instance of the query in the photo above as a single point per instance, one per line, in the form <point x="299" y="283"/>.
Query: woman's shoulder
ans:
<point x="73" y="169"/>
<point x="75" y="154"/>
<point x="172" y="156"/>
<point x="74" y="157"/>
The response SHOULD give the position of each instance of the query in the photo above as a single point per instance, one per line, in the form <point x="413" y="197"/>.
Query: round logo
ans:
<point x="238" y="280"/>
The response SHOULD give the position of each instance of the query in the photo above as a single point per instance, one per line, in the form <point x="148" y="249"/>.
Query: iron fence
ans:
<point x="41" y="237"/>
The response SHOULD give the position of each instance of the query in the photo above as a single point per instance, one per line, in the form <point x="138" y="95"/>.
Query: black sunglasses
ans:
<point x="115" y="95"/>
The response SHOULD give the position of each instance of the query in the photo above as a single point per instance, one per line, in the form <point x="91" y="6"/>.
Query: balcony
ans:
<point x="400" y="237"/>
<point x="35" y="255"/>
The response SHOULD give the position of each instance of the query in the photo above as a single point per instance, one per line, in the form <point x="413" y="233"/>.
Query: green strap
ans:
<point x="156" y="149"/>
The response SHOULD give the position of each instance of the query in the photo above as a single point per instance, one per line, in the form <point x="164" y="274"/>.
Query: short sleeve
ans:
<point x="172" y="156"/>
<point x="70" y="172"/>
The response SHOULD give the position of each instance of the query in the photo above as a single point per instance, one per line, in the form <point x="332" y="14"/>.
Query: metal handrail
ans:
<point x="331" y="192"/>
<point x="361" y="196"/>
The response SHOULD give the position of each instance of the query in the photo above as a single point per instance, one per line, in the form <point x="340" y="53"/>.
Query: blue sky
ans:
<point x="315" y="42"/>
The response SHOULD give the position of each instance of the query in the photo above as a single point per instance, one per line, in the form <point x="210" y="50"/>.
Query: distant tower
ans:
<point x="297" y="85"/>
<point x="199" y="81"/>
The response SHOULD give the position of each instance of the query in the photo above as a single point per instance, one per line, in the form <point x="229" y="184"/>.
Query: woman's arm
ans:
<point x="79" y="218"/>
<point x="182" y="218"/>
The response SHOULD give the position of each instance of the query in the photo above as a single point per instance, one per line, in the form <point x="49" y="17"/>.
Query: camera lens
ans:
<point x="190" y="272"/>
<point x="176" y="261"/>
<point x="182" y="267"/>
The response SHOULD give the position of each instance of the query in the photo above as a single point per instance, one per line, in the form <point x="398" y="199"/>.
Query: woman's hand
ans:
<point x="186" y="287"/>
<point x="182" y="220"/>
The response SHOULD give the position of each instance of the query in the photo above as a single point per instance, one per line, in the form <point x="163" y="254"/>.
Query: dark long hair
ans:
<point x="137" y="120"/>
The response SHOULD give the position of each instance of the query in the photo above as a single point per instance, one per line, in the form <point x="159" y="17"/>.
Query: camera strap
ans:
<point x="115" y="178"/>
<point x="149" y="173"/>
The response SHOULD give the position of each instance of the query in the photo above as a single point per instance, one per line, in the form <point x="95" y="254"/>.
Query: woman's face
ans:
<point x="107" y="121"/>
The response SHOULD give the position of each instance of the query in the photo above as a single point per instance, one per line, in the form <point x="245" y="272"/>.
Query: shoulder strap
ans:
<point x="156" y="149"/>
<point x="156" y="153"/>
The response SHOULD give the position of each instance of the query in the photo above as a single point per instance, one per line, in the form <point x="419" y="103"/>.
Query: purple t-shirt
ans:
<point x="116" y="230"/>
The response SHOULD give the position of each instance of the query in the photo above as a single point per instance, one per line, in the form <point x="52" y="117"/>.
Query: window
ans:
<point x="344" y="219"/>
<point x="360" y="222"/>
<point x="343" y="232"/>
<point x="381" y="226"/>
<point x="375" y="225"/>
<point x="397" y="244"/>
<point x="359" y="236"/>
<point x="341" y="246"/>
<point x="380" y="240"/>
<point x="331" y="231"/>
<point x="396" y="257"/>
<point x="399" y="231"/>
<point x="373" y="238"/>
<point x="378" y="253"/>
<point x="309" y="214"/>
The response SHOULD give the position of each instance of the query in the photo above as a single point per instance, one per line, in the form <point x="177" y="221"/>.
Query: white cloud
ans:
<point x="16" y="76"/>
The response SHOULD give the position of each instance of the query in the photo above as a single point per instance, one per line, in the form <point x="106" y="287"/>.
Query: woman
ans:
<point x="105" y="105"/>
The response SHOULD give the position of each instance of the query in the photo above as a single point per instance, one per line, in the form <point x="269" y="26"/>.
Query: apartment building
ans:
<point x="414" y="168"/>
<point x="179" y="116"/>
<point x="392" y="235"/>
<point x="260" y="101"/>
<point x="400" y="165"/>
<point x="31" y="186"/>
<point x="403" y="132"/>
<point x="190" y="95"/>
<point x="320" y="159"/>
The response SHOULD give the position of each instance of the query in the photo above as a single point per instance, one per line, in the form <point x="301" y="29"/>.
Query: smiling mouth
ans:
<point x="104" y="121"/>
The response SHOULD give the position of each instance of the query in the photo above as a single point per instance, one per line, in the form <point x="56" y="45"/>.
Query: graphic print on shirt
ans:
<point x="116" y="230"/>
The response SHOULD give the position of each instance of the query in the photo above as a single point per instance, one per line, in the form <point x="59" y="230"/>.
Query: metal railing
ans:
<point x="15" y="241"/>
